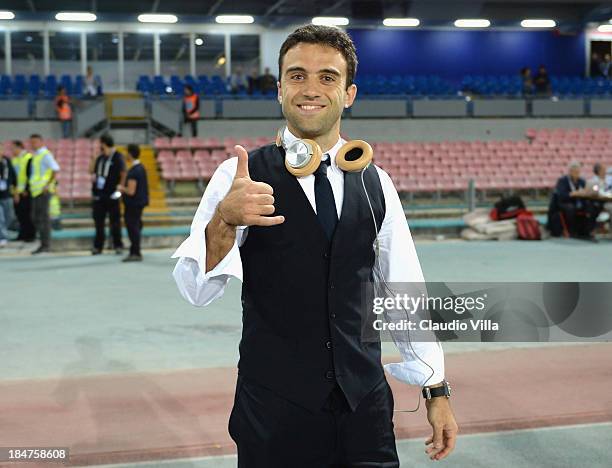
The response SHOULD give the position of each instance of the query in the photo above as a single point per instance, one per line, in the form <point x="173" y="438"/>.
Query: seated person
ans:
<point x="599" y="183"/>
<point x="568" y="213"/>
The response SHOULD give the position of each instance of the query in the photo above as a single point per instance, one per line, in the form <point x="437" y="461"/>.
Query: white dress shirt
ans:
<point x="397" y="258"/>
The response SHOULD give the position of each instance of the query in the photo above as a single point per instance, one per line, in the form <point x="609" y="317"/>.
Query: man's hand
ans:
<point x="442" y="420"/>
<point x="248" y="203"/>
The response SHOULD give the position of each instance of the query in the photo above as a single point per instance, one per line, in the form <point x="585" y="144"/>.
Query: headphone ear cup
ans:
<point x="313" y="162"/>
<point x="352" y="164"/>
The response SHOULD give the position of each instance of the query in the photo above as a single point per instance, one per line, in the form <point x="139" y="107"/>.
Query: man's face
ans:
<point x="602" y="171"/>
<point x="36" y="143"/>
<point x="574" y="173"/>
<point x="16" y="150"/>
<point x="313" y="90"/>
<point x="106" y="150"/>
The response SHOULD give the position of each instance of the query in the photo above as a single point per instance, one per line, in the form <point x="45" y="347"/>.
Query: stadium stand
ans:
<point x="427" y="167"/>
<point x="397" y="85"/>
<point x="36" y="86"/>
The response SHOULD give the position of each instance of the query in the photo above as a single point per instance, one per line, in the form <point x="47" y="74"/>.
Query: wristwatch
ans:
<point x="444" y="390"/>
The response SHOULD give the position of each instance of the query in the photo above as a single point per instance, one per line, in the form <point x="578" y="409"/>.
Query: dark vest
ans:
<point x="301" y="297"/>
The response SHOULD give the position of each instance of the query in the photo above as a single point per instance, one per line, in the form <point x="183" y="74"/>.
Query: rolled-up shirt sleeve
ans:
<point x="196" y="285"/>
<point x="423" y="361"/>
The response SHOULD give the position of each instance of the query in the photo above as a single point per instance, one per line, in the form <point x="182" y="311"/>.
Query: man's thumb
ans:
<point x="243" y="162"/>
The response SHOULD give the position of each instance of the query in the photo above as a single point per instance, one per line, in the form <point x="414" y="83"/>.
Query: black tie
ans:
<point x="324" y="199"/>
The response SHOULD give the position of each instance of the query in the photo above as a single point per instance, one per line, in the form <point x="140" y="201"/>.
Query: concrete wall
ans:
<point x="367" y="129"/>
<point x="409" y="129"/>
<point x="10" y="130"/>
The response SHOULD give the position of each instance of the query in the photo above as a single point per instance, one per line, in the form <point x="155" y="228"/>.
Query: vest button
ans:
<point x="328" y="345"/>
<point x="329" y="374"/>
<point x="326" y="255"/>
<point x="332" y="286"/>
<point x="332" y="315"/>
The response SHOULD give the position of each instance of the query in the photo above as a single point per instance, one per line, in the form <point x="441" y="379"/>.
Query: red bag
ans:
<point x="527" y="226"/>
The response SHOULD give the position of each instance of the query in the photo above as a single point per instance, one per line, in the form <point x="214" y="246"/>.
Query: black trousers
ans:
<point x="272" y="432"/>
<point x="580" y="223"/>
<point x="101" y="208"/>
<point x="23" y="212"/>
<point x="194" y="127"/>
<point x="133" y="222"/>
<point x="40" y="218"/>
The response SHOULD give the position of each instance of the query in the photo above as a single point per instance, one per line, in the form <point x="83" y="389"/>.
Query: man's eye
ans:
<point x="328" y="78"/>
<point x="296" y="77"/>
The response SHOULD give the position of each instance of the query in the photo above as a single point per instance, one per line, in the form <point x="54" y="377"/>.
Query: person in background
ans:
<point x="191" y="109"/>
<point x="238" y="82"/>
<point x="597" y="183"/>
<point x="42" y="177"/>
<point x="527" y="81"/>
<point x="8" y="184"/>
<point x="253" y="79"/>
<point x="568" y="213"/>
<point x="109" y="173"/>
<point x="594" y="68"/>
<point x="542" y="82"/>
<point x="267" y="82"/>
<point x="135" y="198"/>
<point x="22" y="163"/>
<point x="93" y="86"/>
<point x="605" y="66"/>
<point x="64" y="111"/>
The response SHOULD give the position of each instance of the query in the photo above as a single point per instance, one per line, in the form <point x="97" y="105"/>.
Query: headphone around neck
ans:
<point x="303" y="156"/>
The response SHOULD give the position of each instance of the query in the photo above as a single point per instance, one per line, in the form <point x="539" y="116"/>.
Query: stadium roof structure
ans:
<point x="570" y="15"/>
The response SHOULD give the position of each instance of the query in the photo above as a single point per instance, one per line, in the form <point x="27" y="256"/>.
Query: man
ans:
<point x="63" y="108"/>
<point x="42" y="180"/>
<point x="598" y="183"/>
<point x="309" y="393"/>
<point x="605" y="66"/>
<point x="527" y="81"/>
<point x="191" y="109"/>
<point x="569" y="214"/>
<point x="135" y="198"/>
<point x="22" y="163"/>
<point x="109" y="173"/>
<point x="8" y="183"/>
<point x="267" y="82"/>
<point x="542" y="82"/>
<point x="238" y="81"/>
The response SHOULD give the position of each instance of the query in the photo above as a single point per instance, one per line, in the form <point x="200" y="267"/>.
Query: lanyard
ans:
<point x="107" y="164"/>
<point x="572" y="186"/>
<point x="5" y="169"/>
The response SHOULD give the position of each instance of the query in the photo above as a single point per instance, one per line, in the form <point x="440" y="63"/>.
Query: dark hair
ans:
<point x="597" y="167"/>
<point x="188" y="87"/>
<point x="18" y="143"/>
<point x="60" y="88"/>
<point x="133" y="150"/>
<point x="107" y="140"/>
<point x="35" y="135"/>
<point x="323" y="35"/>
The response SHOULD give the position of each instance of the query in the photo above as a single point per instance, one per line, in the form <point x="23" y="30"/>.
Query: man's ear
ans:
<point x="279" y="92"/>
<point x="351" y="94"/>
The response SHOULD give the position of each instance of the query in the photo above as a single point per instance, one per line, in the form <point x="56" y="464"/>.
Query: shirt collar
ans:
<point x="289" y="138"/>
<point x="135" y="162"/>
<point x="41" y="149"/>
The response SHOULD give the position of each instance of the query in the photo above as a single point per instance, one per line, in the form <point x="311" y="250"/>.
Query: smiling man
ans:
<point x="310" y="392"/>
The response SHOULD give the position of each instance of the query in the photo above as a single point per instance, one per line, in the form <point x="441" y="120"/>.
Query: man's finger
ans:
<point x="243" y="162"/>
<point x="450" y="445"/>
<point x="261" y="187"/>
<point x="263" y="209"/>
<point x="262" y="199"/>
<point x="267" y="220"/>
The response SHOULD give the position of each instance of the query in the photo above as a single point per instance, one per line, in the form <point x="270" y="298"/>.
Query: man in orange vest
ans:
<point x="191" y="109"/>
<point x="64" y="111"/>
